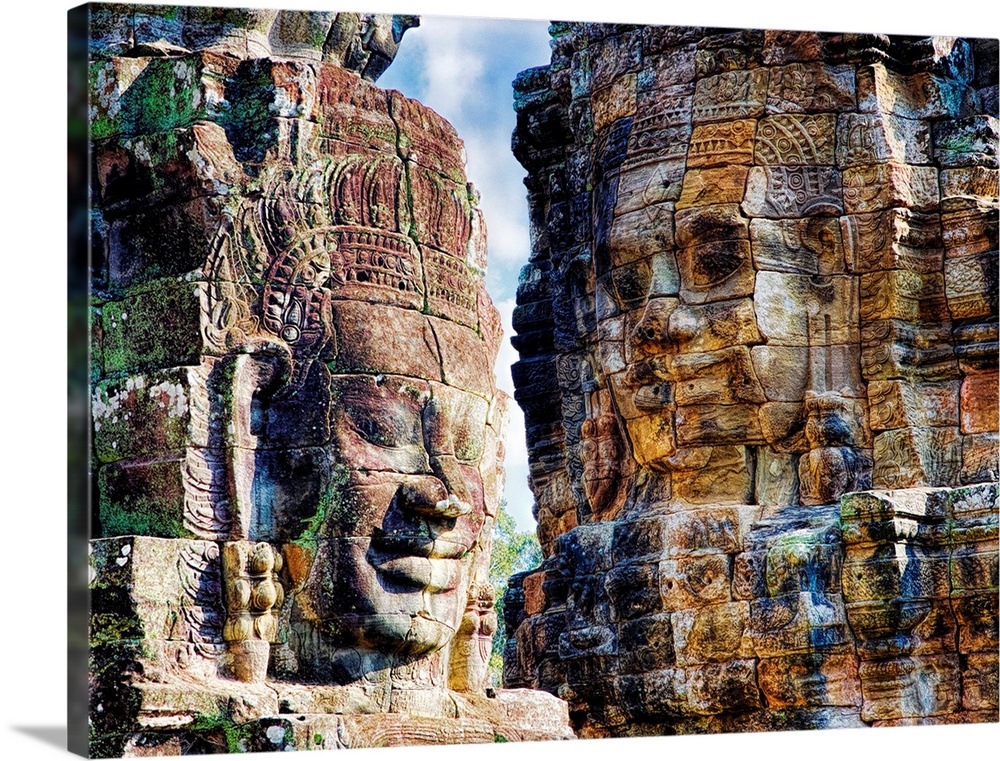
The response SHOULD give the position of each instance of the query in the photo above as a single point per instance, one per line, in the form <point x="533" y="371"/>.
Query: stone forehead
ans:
<point x="378" y="338"/>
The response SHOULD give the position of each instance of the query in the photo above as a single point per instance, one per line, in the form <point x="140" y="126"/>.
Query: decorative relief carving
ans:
<point x="722" y="144"/>
<point x="795" y="140"/>
<point x="730" y="95"/>
<point x="793" y="191"/>
<point x="251" y="591"/>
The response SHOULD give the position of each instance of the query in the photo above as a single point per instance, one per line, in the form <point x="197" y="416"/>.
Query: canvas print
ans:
<point x="746" y="403"/>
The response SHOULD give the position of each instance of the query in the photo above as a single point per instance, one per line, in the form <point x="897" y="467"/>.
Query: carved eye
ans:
<point x="374" y="431"/>
<point x="392" y="431"/>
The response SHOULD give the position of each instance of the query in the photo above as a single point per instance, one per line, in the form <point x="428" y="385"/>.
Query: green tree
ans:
<point x="513" y="551"/>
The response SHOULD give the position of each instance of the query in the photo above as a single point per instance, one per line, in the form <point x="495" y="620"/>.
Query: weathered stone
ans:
<point x="715" y="271"/>
<point x="902" y="295"/>
<point x="884" y="186"/>
<point x="810" y="87"/>
<point x="979" y="403"/>
<point x="785" y="372"/>
<point x="641" y="234"/>
<point x="789" y="238"/>
<point x="793" y="191"/>
<point x="968" y="187"/>
<point x="969" y="142"/>
<point x="792" y="309"/>
<point x="906" y="687"/>
<point x="722" y="529"/>
<point x="892" y="239"/>
<point x="806" y="140"/>
<point x="809" y="246"/>
<point x="702" y="187"/>
<point x="714" y="326"/>
<point x="704" y="224"/>
<point x="916" y="457"/>
<point x="711" y="633"/>
<point x="730" y="95"/>
<point x="614" y="102"/>
<point x="691" y="582"/>
<point x="803" y="622"/>
<point x="899" y="404"/>
<point x="971" y="285"/>
<point x="311" y="368"/>
<point x="810" y="679"/>
<point x="722" y="144"/>
<point x="864" y="139"/>
<point x="969" y="231"/>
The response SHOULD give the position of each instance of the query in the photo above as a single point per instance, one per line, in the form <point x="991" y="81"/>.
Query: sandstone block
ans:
<point x="979" y="682"/>
<point x="793" y="139"/>
<point x="723" y="529"/>
<point x="719" y="185"/>
<point x="717" y="325"/>
<point x="722" y="144"/>
<point x="712" y="633"/>
<point x="798" y="623"/>
<point x="155" y="327"/>
<point x="970" y="230"/>
<point x="903" y="295"/>
<point x="922" y="95"/>
<point x="908" y="457"/>
<point x="979" y="457"/>
<point x="646" y="644"/>
<point x="810" y="87"/>
<point x="892" y="239"/>
<point x="693" y="582"/>
<point x="642" y="234"/>
<point x="811" y="246"/>
<point x="811" y="679"/>
<point x="717" y="475"/>
<point x="968" y="187"/>
<point x="702" y="424"/>
<point x="884" y="186"/>
<point x="705" y="224"/>
<point x="865" y="139"/>
<point x="657" y="181"/>
<point x="966" y="142"/>
<point x="730" y="95"/>
<point x="971" y="285"/>
<point x="715" y="271"/>
<point x="901" y="404"/>
<point x="793" y="191"/>
<point x="614" y="102"/>
<point x="791" y="309"/>
<point x="906" y="687"/>
<point x="634" y="591"/>
<point x="979" y="403"/>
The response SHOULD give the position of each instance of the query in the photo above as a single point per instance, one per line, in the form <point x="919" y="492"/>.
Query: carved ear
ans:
<point x="273" y="359"/>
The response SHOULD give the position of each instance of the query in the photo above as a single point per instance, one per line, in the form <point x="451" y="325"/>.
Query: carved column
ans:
<point x="251" y="591"/>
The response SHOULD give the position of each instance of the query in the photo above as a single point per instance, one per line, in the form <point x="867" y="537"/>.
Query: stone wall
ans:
<point x="758" y="366"/>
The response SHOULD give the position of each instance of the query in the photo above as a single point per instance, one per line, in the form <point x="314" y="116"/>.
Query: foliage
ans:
<point x="513" y="552"/>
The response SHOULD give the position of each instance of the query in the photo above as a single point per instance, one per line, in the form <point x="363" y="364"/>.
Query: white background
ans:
<point x="32" y="158"/>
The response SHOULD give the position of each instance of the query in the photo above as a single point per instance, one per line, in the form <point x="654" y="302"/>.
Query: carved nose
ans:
<point x="429" y="497"/>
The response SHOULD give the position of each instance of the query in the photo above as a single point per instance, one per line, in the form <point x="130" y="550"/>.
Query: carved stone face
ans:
<point x="404" y="514"/>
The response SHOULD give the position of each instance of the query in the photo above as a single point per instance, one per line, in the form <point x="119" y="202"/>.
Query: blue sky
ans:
<point x="463" y="69"/>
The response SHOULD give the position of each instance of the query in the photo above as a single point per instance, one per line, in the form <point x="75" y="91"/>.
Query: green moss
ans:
<point x="236" y="736"/>
<point x="159" y="326"/>
<point x="333" y="506"/>
<point x="497" y="738"/>
<point x="145" y="500"/>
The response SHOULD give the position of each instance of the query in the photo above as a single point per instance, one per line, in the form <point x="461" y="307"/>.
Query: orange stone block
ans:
<point x="980" y="406"/>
